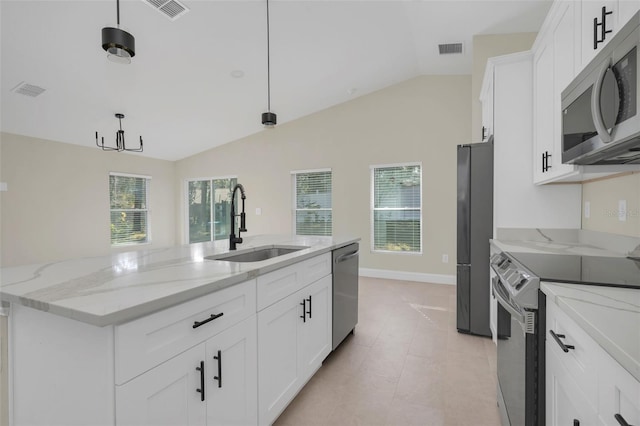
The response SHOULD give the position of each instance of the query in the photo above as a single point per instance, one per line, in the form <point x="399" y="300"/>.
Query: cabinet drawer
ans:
<point x="618" y="393"/>
<point x="279" y="284"/>
<point x="148" y="341"/>
<point x="581" y="362"/>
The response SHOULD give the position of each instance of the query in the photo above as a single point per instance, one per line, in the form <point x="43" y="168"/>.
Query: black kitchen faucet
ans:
<point x="233" y="240"/>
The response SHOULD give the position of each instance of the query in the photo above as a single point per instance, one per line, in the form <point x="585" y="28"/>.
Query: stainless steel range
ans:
<point x="521" y="317"/>
<point x="519" y="356"/>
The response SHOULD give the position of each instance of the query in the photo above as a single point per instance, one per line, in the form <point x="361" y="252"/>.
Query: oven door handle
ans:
<point x="505" y="304"/>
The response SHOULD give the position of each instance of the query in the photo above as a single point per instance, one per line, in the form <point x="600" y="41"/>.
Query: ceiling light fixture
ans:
<point x="119" y="44"/>
<point x="269" y="119"/>
<point x="120" y="142"/>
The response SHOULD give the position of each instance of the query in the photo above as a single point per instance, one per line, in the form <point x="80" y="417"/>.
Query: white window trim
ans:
<point x="148" y="210"/>
<point x="185" y="204"/>
<point x="294" y="199"/>
<point x="371" y="209"/>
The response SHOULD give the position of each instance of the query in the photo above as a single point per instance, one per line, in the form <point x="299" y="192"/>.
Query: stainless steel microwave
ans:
<point x="600" y="110"/>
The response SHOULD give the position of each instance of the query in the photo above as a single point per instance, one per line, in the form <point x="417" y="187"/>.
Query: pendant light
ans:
<point x="269" y="119"/>
<point x="120" y="141"/>
<point x="119" y="44"/>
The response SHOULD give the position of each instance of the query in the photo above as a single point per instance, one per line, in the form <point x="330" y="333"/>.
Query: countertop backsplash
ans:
<point x="621" y="244"/>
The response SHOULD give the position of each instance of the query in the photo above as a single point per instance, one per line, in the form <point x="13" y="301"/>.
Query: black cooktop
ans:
<point x="594" y="270"/>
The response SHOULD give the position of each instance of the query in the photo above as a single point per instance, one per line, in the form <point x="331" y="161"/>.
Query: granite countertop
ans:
<point x="114" y="289"/>
<point x="610" y="315"/>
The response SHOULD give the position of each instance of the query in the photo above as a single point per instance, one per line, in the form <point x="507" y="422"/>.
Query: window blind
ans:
<point x="312" y="203"/>
<point x="129" y="209"/>
<point x="397" y="208"/>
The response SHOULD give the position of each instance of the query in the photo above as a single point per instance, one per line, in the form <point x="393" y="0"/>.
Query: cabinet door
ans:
<point x="232" y="376"/>
<point x="487" y="108"/>
<point x="315" y="334"/>
<point x="279" y="375"/>
<point x="565" y="403"/>
<point x="564" y="70"/>
<point x="618" y="393"/>
<point x="626" y="9"/>
<point x="543" y="111"/>
<point x="165" y="395"/>
<point x="592" y="9"/>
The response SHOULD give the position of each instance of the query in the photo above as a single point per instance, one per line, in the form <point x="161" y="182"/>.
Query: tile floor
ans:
<point x="406" y="364"/>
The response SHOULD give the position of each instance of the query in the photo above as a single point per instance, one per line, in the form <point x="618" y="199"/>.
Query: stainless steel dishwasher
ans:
<point x="345" y="292"/>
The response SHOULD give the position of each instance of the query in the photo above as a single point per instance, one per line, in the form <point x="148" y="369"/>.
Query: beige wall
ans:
<point x="485" y="47"/>
<point x="57" y="203"/>
<point x="603" y="196"/>
<point x="409" y="122"/>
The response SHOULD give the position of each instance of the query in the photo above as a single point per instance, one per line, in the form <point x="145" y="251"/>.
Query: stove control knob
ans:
<point x="522" y="282"/>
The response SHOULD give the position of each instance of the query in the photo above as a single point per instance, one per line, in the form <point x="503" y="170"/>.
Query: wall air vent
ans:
<point x="172" y="9"/>
<point x="28" y="89"/>
<point x="446" y="49"/>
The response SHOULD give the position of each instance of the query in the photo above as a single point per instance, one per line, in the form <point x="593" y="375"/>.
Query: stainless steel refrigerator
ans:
<point x="475" y="228"/>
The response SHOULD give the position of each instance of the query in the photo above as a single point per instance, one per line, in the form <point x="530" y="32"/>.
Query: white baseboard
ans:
<point x="408" y="276"/>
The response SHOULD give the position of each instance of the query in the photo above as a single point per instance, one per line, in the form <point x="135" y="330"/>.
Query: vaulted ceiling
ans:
<point x="201" y="80"/>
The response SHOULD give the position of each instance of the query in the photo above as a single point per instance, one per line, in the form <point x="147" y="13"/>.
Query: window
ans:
<point x="209" y="204"/>
<point x="396" y="208"/>
<point x="129" y="205"/>
<point x="312" y="202"/>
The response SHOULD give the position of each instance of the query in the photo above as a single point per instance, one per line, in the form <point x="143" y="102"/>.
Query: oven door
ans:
<point x="515" y="360"/>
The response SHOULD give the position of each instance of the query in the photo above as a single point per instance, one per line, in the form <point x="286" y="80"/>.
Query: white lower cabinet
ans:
<point x="585" y="385"/>
<point x="218" y="359"/>
<point x="165" y="395"/>
<point x="618" y="394"/>
<point x="213" y="383"/>
<point x="294" y="337"/>
<point x="565" y="402"/>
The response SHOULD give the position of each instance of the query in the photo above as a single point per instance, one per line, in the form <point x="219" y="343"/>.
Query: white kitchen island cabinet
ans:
<point x="213" y="383"/>
<point x="68" y="370"/>
<point x="172" y="339"/>
<point x="294" y="337"/>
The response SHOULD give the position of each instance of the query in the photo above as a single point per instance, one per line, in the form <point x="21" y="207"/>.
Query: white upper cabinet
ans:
<point x="599" y="24"/>
<point x="564" y="46"/>
<point x="553" y="69"/>
<point x="626" y="9"/>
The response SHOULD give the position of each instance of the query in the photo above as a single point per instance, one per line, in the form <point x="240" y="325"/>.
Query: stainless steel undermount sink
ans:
<point x="258" y="254"/>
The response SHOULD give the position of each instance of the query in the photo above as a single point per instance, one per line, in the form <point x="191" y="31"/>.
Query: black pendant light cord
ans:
<point x="268" y="64"/>
<point x="118" y="11"/>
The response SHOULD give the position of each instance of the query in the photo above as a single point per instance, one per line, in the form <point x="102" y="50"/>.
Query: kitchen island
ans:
<point x="168" y="335"/>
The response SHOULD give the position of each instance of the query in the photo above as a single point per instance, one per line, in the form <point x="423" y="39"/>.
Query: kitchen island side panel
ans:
<point x="77" y="357"/>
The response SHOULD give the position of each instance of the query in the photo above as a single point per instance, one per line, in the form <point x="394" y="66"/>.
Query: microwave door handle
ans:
<point x="596" y="112"/>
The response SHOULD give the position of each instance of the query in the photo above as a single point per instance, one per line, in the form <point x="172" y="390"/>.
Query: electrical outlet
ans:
<point x="445" y="258"/>
<point x="622" y="210"/>
<point x="587" y="209"/>
<point x="258" y="211"/>
<point x="3" y="186"/>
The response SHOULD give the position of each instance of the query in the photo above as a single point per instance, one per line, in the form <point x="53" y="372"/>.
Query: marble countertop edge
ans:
<point x="96" y="291"/>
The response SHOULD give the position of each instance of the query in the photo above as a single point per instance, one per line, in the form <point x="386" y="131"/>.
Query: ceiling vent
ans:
<point x="446" y="49"/>
<point x="28" y="89"/>
<point x="172" y="9"/>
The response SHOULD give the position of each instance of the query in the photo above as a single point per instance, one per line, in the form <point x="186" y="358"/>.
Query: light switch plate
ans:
<point x="622" y="210"/>
<point x="4" y="186"/>
<point x="258" y="211"/>
<point x="587" y="209"/>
